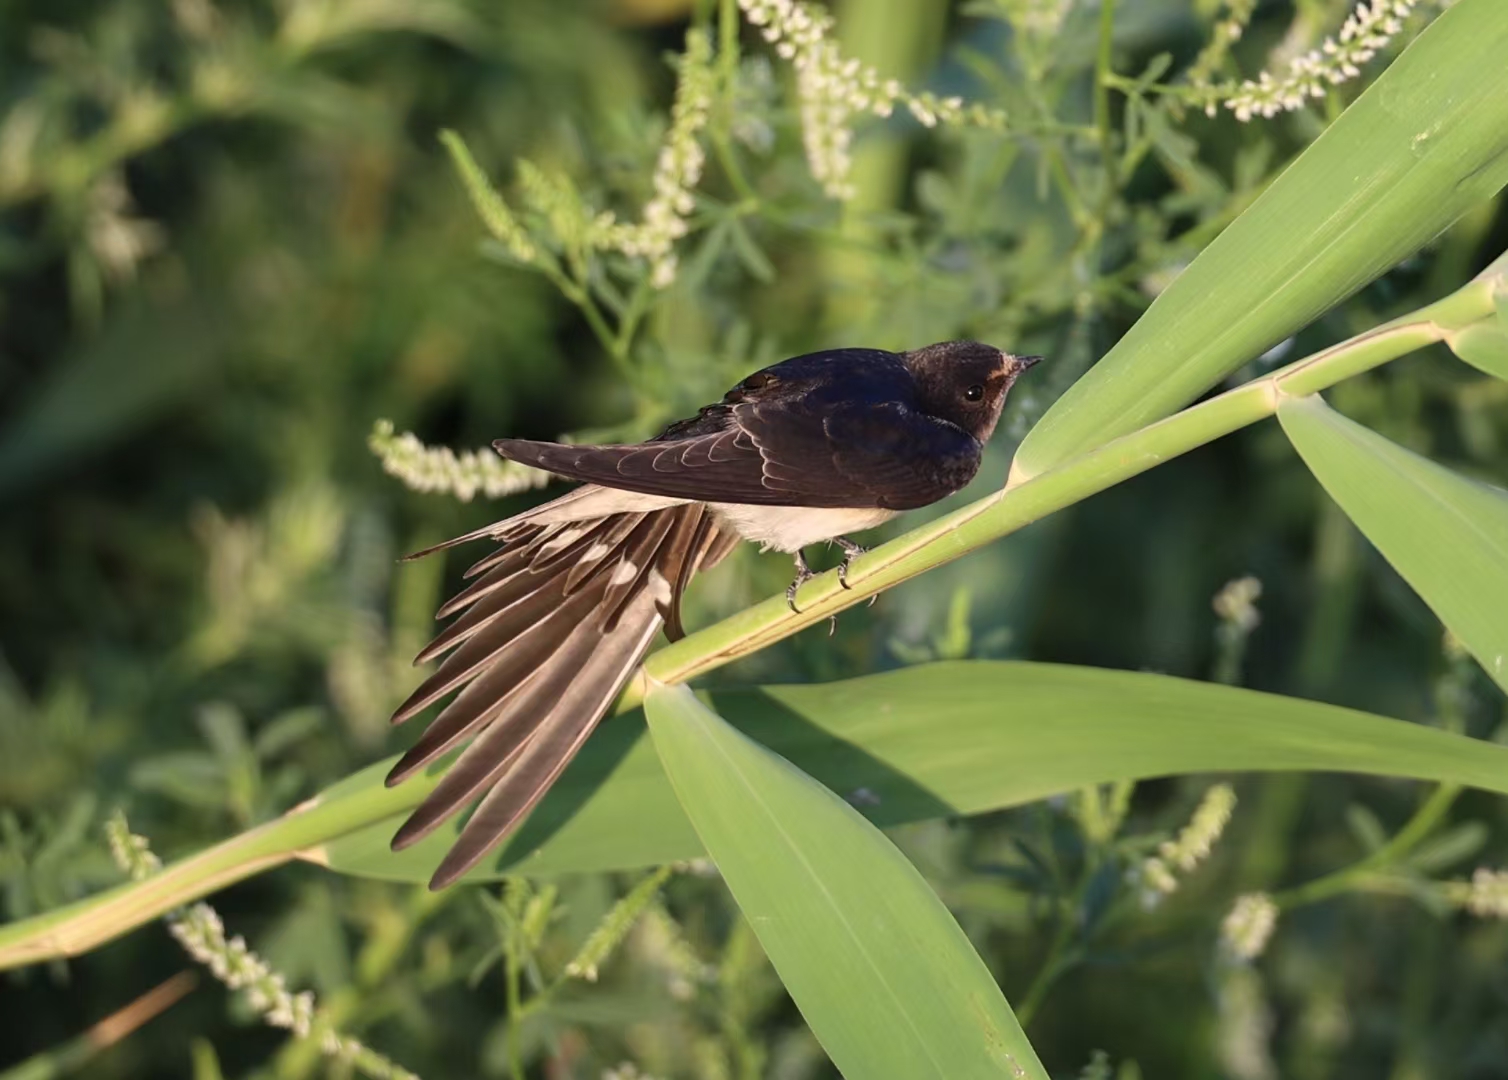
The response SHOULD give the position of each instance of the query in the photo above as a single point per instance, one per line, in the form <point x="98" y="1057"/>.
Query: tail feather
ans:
<point x="510" y="546"/>
<point x="551" y="629"/>
<point x="585" y="503"/>
<point x="498" y="599"/>
<point x="490" y="595"/>
<point x="475" y="655"/>
<point x="496" y="531"/>
<point x="510" y="560"/>
<point x="519" y="564"/>
<point x="517" y="649"/>
<point x="613" y="537"/>
<point x="482" y="702"/>
<point x="558" y="737"/>
<point x="638" y="569"/>
<point x="711" y="546"/>
<point x="685" y="561"/>
<point x="490" y="755"/>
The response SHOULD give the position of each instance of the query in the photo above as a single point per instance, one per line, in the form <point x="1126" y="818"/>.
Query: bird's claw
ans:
<point x="851" y="551"/>
<point x="803" y="575"/>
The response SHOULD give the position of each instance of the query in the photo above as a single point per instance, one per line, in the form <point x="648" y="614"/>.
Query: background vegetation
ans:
<point x="230" y="241"/>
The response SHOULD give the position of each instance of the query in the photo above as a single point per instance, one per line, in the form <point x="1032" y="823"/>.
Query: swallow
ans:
<point x="556" y="619"/>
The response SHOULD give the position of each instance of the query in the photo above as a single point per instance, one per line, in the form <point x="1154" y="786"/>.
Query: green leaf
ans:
<point x="924" y="742"/>
<point x="1484" y="346"/>
<point x="930" y="741"/>
<point x="1365" y="827"/>
<point x="1454" y="845"/>
<point x="1422" y="145"/>
<point x="887" y="981"/>
<point x="1446" y="535"/>
<point x="754" y="260"/>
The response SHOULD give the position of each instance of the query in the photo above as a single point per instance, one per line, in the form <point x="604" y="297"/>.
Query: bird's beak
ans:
<point x="1024" y="362"/>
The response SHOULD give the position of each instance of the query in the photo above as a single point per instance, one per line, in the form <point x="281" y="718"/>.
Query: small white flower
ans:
<point x="1036" y="18"/>
<point x="1485" y="896"/>
<point x="1370" y="27"/>
<point x="1236" y="603"/>
<point x="834" y="89"/>
<point x="1248" y="926"/>
<point x="439" y="469"/>
<point x="1188" y="849"/>
<point x="626" y="1071"/>
<point x="1156" y="881"/>
<point x="201" y="933"/>
<point x="1198" y="837"/>
<point x="119" y="239"/>
<point x="677" y="171"/>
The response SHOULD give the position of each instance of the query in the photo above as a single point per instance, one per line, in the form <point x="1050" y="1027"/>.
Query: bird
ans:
<point x="555" y="619"/>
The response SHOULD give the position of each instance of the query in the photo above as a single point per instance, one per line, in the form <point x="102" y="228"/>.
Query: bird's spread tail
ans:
<point x="550" y="628"/>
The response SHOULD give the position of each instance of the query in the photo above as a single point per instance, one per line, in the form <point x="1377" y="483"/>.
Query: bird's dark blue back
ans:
<point x="814" y="383"/>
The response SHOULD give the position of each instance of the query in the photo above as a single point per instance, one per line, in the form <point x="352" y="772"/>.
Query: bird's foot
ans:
<point x="851" y="551"/>
<point x="803" y="575"/>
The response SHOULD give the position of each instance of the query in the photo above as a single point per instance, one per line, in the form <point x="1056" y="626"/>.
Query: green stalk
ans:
<point x="900" y="39"/>
<point x="1429" y="814"/>
<point x="512" y="963"/>
<point x="1104" y="73"/>
<point x="85" y="924"/>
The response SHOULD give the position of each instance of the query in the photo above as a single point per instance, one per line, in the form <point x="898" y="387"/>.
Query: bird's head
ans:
<point x="965" y="382"/>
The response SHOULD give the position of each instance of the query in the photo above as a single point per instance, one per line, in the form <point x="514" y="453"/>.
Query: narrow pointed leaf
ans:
<point x="1484" y="346"/>
<point x="887" y="981"/>
<point x="1427" y="141"/>
<point x="936" y="740"/>
<point x="930" y="741"/>
<point x="1446" y="535"/>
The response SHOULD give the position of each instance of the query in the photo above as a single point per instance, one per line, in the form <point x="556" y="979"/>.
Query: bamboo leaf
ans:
<point x="936" y="740"/>
<point x="1446" y="535"/>
<point x="1484" y="346"/>
<point x="887" y="981"/>
<point x="996" y="734"/>
<point x="1422" y="145"/>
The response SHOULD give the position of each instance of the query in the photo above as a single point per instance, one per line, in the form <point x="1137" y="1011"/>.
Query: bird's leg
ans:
<point x="851" y="551"/>
<point x="803" y="575"/>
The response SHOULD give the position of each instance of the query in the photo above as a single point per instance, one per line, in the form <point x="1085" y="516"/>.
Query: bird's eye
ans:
<point x="974" y="393"/>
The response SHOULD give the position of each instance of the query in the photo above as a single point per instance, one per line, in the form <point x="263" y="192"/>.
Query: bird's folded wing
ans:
<point x="869" y="455"/>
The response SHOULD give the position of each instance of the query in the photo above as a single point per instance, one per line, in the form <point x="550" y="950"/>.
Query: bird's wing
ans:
<point x="861" y="454"/>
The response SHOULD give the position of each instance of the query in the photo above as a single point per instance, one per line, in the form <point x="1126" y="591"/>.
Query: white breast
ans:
<point x="791" y="528"/>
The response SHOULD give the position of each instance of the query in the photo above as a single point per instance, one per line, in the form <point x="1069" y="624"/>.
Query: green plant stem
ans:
<point x="1058" y="960"/>
<point x="727" y="159"/>
<point x="515" y="1015"/>
<point x="1099" y="823"/>
<point x="72" y="168"/>
<point x="1103" y="74"/>
<point x="1189" y="95"/>
<point x="1429" y="814"/>
<point x="638" y="304"/>
<point x="605" y="333"/>
<point x="349" y="1007"/>
<point x="728" y="23"/>
<point x="85" y="924"/>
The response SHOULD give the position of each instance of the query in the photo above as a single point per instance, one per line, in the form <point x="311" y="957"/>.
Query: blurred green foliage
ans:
<point x="230" y="241"/>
